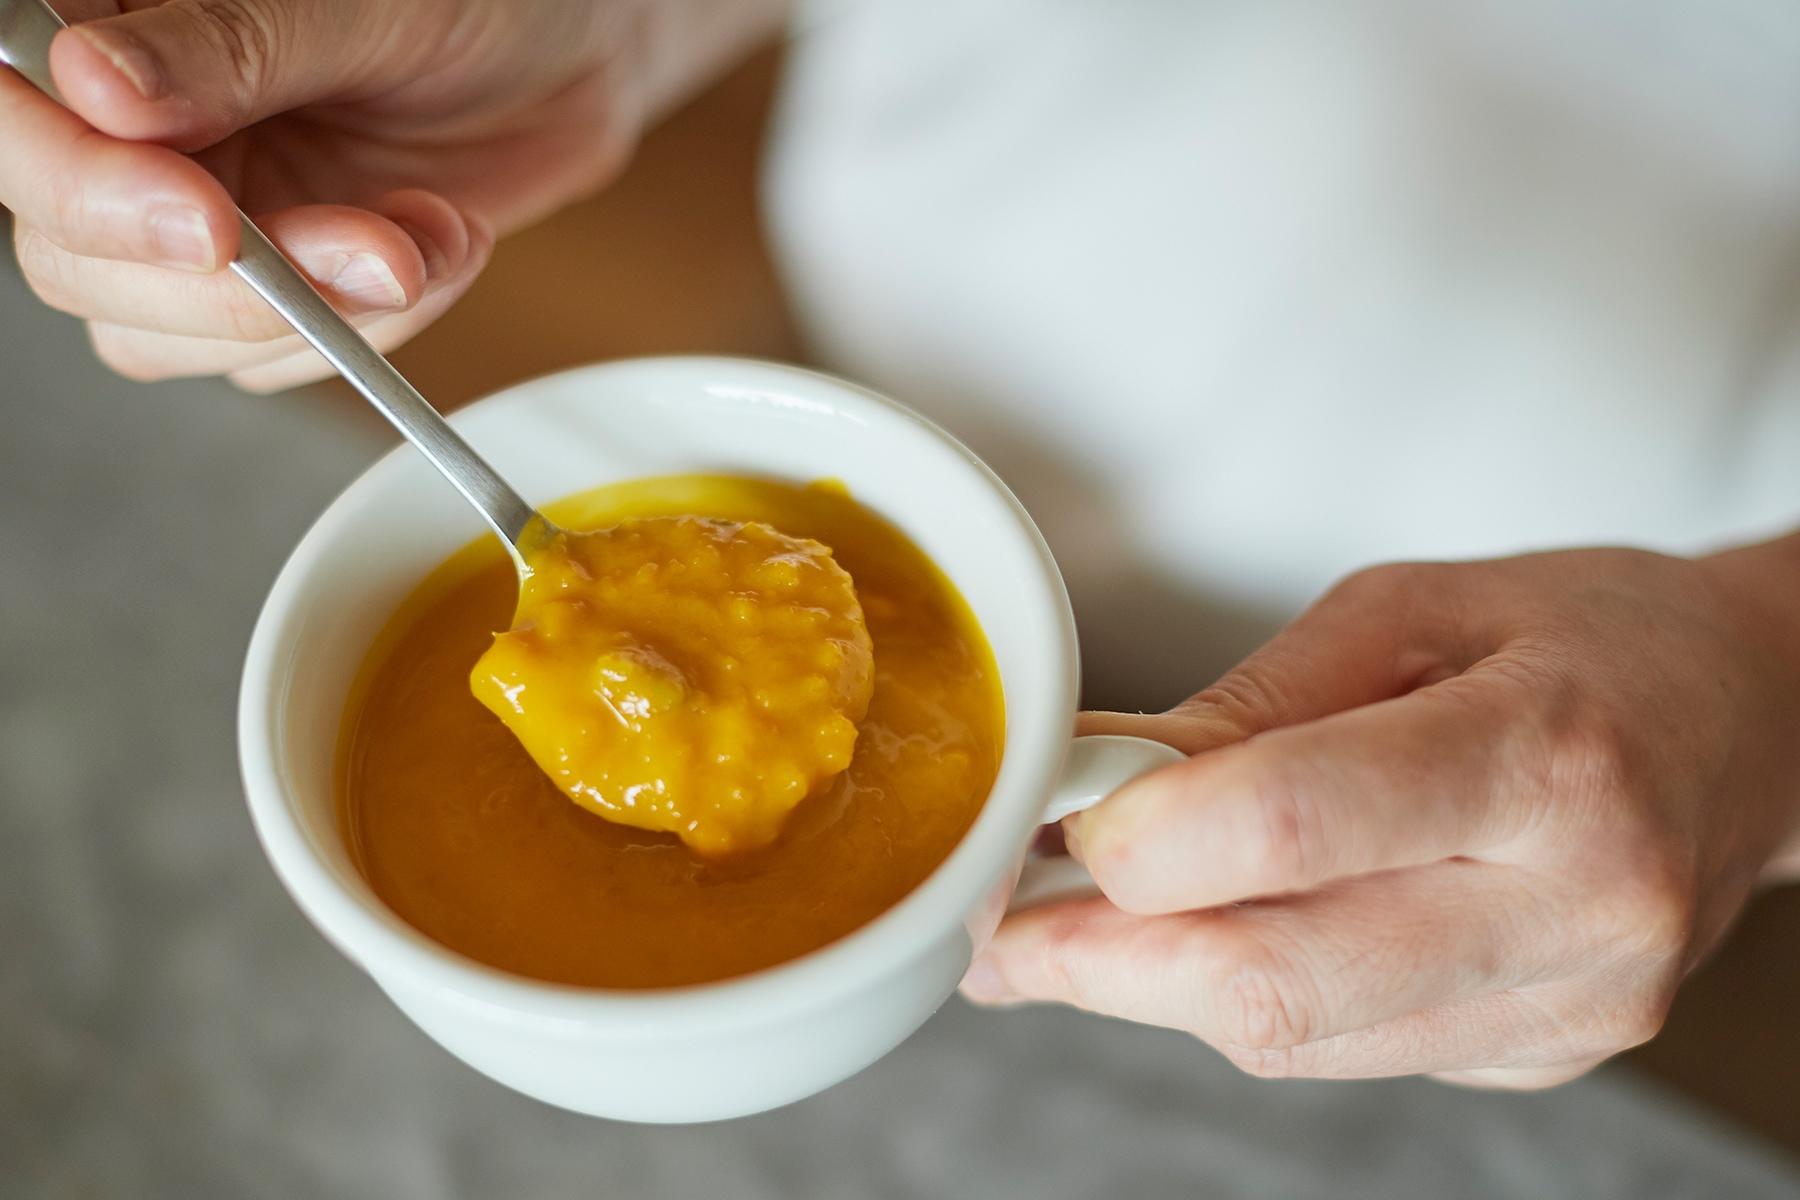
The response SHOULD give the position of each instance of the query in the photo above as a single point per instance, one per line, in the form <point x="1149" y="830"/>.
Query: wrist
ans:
<point x="1761" y="585"/>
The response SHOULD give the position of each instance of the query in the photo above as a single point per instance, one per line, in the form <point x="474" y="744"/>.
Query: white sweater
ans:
<point x="1240" y="295"/>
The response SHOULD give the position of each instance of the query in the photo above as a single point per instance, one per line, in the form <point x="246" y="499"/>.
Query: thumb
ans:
<point x="1378" y="634"/>
<point x="189" y="73"/>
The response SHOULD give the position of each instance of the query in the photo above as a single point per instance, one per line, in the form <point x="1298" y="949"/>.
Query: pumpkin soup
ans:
<point x="463" y="836"/>
<point x="685" y="674"/>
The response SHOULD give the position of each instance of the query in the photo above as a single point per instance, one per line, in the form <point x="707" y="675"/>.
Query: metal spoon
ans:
<point x="26" y="30"/>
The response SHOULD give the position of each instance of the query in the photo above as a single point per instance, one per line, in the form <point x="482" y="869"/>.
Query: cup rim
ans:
<point x="1038" y="733"/>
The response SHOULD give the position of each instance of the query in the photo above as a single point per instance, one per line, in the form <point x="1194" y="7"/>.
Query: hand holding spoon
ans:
<point x="27" y="28"/>
<point x="674" y="674"/>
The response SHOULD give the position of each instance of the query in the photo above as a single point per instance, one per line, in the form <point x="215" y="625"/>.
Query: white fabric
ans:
<point x="1240" y="296"/>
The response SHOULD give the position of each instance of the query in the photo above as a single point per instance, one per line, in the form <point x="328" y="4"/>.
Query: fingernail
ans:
<point x="437" y="265"/>
<point x="370" y="282"/>
<point x="984" y="984"/>
<point x="130" y="57"/>
<point x="183" y="239"/>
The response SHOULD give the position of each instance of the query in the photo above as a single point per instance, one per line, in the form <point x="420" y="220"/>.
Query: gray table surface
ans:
<point x="170" y="1025"/>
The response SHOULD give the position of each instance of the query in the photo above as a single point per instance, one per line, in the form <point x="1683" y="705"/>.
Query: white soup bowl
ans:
<point x="741" y="1045"/>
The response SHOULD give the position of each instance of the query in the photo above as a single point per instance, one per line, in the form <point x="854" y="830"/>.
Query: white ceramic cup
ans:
<point x="747" y="1044"/>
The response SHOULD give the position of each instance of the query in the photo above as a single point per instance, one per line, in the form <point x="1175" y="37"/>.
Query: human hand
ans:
<point x="380" y="145"/>
<point x="1473" y="820"/>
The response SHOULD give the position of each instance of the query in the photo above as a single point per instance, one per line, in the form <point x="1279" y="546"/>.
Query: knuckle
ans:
<point x="1615" y="1024"/>
<point x="1260" y="1007"/>
<point x="1650" y="913"/>
<point x="1401" y="596"/>
<point x="1641" y="1020"/>
<point x="607" y="155"/>
<point x="119" y="353"/>
<point x="242" y="32"/>
<point x="1577" y="748"/>
<point x="1591" y="756"/>
<point x="601" y="155"/>
<point x="1640" y="873"/>
<point x="1281" y="1063"/>
<point x="1361" y="583"/>
<point x="1243" y="701"/>
<point x="1666" y="900"/>
<point x="243" y="316"/>
<point x="1380" y="581"/>
<point x="1560" y="754"/>
<point x="1061" y="958"/>
<point x="67" y="205"/>
<point x="45" y="268"/>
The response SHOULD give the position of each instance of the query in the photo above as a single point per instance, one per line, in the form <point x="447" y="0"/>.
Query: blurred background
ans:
<point x="170" y="1026"/>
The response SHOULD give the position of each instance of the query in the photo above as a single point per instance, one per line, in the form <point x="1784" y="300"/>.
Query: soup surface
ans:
<point x="459" y="832"/>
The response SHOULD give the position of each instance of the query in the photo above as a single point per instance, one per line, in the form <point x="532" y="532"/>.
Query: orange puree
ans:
<point x="683" y="674"/>
<point x="458" y="830"/>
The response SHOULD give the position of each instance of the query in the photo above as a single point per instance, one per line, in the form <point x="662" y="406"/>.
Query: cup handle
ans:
<point x="1096" y="767"/>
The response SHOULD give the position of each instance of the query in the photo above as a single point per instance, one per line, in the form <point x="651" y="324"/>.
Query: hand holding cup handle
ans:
<point x="1097" y="766"/>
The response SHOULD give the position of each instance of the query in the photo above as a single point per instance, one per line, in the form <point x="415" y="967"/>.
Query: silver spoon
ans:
<point x="26" y="30"/>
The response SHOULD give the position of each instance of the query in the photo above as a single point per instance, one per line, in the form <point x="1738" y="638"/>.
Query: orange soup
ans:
<point x="684" y="674"/>
<point x="462" y="835"/>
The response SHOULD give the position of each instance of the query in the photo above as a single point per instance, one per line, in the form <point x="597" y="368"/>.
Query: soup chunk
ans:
<point x="687" y="675"/>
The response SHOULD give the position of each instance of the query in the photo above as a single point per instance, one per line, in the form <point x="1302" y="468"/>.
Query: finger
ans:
<point x="146" y="357"/>
<point x="1278" y="974"/>
<point x="308" y="366"/>
<point x="94" y="196"/>
<point x="143" y="356"/>
<point x="1450" y="769"/>
<point x="365" y="263"/>
<point x="1378" y="634"/>
<point x="270" y="366"/>
<point x="387" y="333"/>
<point x="1517" y="1035"/>
<point x="189" y="73"/>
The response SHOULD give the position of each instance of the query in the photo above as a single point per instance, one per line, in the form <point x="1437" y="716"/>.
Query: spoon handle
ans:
<point x="27" y="28"/>
<point x="292" y="295"/>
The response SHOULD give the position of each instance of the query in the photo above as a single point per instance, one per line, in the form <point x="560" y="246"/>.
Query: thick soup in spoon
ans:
<point x="685" y="674"/>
